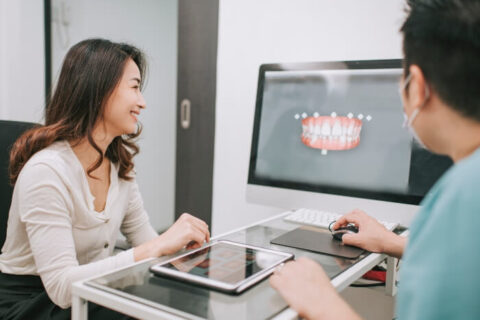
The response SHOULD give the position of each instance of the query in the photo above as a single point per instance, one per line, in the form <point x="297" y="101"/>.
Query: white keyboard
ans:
<point x="322" y="219"/>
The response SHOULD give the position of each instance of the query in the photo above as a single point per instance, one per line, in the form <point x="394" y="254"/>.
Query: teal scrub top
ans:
<point x="440" y="272"/>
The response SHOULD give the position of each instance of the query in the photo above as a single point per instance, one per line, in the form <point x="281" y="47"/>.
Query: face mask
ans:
<point x="407" y="123"/>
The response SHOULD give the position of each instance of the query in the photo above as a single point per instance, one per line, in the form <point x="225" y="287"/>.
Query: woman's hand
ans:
<point x="307" y="289"/>
<point x="187" y="231"/>
<point x="372" y="235"/>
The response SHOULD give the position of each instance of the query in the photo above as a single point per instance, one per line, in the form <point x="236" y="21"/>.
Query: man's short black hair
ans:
<point x="442" y="37"/>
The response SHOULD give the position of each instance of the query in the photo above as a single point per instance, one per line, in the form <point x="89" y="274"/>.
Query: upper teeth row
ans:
<point x="326" y="130"/>
<point x="350" y="115"/>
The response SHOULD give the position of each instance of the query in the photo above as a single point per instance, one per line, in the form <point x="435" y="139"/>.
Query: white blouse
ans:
<point x="54" y="231"/>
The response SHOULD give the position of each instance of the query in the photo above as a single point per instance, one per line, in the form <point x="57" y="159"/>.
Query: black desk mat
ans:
<point x="320" y="241"/>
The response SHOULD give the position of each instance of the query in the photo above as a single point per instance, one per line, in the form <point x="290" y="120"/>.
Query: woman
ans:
<point x="75" y="189"/>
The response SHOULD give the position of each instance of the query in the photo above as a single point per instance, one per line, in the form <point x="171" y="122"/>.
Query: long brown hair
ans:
<point x="91" y="70"/>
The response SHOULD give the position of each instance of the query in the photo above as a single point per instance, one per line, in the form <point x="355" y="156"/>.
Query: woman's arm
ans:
<point x="187" y="230"/>
<point x="136" y="225"/>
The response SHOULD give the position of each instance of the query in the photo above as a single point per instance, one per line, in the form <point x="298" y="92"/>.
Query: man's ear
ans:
<point x="418" y="88"/>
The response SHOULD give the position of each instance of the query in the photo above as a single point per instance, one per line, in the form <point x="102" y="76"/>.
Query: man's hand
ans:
<point x="307" y="289"/>
<point x="372" y="235"/>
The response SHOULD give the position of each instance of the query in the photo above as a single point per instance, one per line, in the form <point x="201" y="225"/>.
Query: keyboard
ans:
<point x="322" y="219"/>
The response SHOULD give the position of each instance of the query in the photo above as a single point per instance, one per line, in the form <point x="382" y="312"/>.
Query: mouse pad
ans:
<point x="317" y="241"/>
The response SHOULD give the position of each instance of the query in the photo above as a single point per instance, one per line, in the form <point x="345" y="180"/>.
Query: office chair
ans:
<point x="9" y="132"/>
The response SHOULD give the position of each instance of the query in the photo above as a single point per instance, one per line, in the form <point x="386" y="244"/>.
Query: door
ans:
<point x="196" y="83"/>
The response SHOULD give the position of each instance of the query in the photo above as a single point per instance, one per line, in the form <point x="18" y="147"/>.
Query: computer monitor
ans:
<point x="329" y="136"/>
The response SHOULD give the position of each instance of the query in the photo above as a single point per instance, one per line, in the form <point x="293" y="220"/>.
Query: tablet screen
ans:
<point x="225" y="262"/>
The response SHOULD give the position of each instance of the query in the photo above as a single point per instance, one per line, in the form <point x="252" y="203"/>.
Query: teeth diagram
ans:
<point x="331" y="132"/>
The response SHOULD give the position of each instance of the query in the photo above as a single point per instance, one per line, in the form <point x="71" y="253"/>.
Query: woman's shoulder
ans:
<point x="57" y="153"/>
<point x="57" y="157"/>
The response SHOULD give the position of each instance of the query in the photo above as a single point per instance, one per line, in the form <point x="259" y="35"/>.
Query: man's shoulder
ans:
<point x="464" y="178"/>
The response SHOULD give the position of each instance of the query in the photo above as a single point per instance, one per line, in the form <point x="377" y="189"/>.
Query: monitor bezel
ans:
<point x="332" y="190"/>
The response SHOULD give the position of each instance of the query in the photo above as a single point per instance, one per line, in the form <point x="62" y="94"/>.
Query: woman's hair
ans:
<point x="90" y="72"/>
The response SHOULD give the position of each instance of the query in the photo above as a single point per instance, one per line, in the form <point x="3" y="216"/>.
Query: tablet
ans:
<point x="223" y="265"/>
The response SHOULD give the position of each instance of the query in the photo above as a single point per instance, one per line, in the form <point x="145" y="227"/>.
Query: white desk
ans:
<point x="119" y="291"/>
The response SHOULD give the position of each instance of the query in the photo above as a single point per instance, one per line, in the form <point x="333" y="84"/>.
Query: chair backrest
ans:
<point x="9" y="132"/>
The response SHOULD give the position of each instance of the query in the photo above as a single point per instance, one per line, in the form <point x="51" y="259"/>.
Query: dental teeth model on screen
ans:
<point x="331" y="132"/>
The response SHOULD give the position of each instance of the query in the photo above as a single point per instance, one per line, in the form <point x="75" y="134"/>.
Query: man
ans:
<point x="441" y="95"/>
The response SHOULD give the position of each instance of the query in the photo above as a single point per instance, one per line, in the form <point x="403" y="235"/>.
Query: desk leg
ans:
<point x="391" y="280"/>
<point x="79" y="308"/>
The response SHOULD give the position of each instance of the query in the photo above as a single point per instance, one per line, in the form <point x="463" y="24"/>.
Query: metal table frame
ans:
<point x="82" y="293"/>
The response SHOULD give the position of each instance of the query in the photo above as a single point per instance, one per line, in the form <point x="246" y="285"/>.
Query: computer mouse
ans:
<point x="338" y="234"/>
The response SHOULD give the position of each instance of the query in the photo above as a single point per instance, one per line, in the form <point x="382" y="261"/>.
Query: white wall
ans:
<point x="22" y="75"/>
<point x="254" y="32"/>
<point x="152" y="26"/>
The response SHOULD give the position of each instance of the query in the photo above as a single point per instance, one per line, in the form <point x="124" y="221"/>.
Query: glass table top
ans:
<point x="190" y="301"/>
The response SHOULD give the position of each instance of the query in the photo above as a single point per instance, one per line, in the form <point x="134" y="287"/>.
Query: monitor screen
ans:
<point x="336" y="128"/>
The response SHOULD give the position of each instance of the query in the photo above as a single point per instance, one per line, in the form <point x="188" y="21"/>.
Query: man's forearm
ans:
<point x="394" y="245"/>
